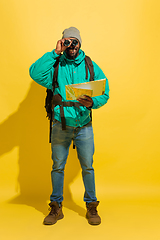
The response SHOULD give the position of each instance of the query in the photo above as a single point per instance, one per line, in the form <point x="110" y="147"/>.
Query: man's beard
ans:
<point x="72" y="52"/>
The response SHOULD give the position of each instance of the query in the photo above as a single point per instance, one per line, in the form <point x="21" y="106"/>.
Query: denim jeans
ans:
<point x="60" y="143"/>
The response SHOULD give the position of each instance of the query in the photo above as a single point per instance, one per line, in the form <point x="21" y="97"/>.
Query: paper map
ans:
<point x="92" y="89"/>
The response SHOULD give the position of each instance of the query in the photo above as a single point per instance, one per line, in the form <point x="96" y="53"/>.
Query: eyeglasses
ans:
<point x="73" y="44"/>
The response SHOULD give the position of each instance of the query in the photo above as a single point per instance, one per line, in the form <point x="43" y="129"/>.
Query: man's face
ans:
<point x="73" y="51"/>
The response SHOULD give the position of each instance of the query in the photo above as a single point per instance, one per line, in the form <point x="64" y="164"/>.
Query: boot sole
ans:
<point x="92" y="223"/>
<point x="52" y="223"/>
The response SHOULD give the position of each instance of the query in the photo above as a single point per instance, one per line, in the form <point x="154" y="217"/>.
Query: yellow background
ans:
<point x="122" y="37"/>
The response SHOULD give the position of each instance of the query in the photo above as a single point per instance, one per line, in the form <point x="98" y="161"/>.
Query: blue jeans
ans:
<point x="60" y="143"/>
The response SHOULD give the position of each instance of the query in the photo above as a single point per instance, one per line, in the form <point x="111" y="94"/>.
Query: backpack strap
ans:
<point x="50" y="95"/>
<point x="89" y="65"/>
<point x="55" y="75"/>
<point x="58" y="101"/>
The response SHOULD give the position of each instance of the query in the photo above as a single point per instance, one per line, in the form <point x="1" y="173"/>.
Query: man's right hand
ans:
<point x="60" y="46"/>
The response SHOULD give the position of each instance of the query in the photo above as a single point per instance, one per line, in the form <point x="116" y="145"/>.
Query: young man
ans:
<point x="71" y="70"/>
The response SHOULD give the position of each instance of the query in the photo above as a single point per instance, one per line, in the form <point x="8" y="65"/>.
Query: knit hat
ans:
<point x="72" y="32"/>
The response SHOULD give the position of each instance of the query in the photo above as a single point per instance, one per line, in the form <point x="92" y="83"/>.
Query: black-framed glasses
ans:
<point x="74" y="42"/>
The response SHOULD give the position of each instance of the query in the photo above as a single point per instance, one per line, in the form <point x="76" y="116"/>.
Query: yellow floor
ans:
<point x="122" y="219"/>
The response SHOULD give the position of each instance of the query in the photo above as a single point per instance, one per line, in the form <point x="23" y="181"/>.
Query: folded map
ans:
<point x="92" y="89"/>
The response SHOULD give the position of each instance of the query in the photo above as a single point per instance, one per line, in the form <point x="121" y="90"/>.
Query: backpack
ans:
<point x="52" y="100"/>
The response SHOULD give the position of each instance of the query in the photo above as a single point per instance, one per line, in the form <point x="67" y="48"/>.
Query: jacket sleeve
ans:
<point x="42" y="70"/>
<point x="99" y="101"/>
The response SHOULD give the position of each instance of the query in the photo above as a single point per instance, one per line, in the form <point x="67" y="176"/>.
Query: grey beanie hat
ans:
<point x="72" y="32"/>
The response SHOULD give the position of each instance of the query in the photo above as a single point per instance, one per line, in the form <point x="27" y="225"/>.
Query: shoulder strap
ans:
<point x="89" y="65"/>
<point x="49" y="97"/>
<point x="55" y="82"/>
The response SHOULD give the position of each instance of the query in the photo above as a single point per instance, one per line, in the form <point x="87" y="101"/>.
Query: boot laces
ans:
<point x="93" y="210"/>
<point x="53" y="210"/>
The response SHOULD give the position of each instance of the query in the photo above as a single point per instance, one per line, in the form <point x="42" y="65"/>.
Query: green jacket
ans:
<point x="69" y="72"/>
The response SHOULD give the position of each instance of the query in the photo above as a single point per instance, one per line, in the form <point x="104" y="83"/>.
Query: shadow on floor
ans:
<point x="28" y="129"/>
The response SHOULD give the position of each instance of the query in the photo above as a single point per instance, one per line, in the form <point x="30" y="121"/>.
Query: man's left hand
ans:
<point x="86" y="101"/>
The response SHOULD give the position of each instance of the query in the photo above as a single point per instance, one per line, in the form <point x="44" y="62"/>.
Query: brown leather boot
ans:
<point x="92" y="214"/>
<point x="54" y="215"/>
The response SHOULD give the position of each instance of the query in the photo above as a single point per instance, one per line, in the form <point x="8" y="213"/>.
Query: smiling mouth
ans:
<point x="72" y="50"/>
